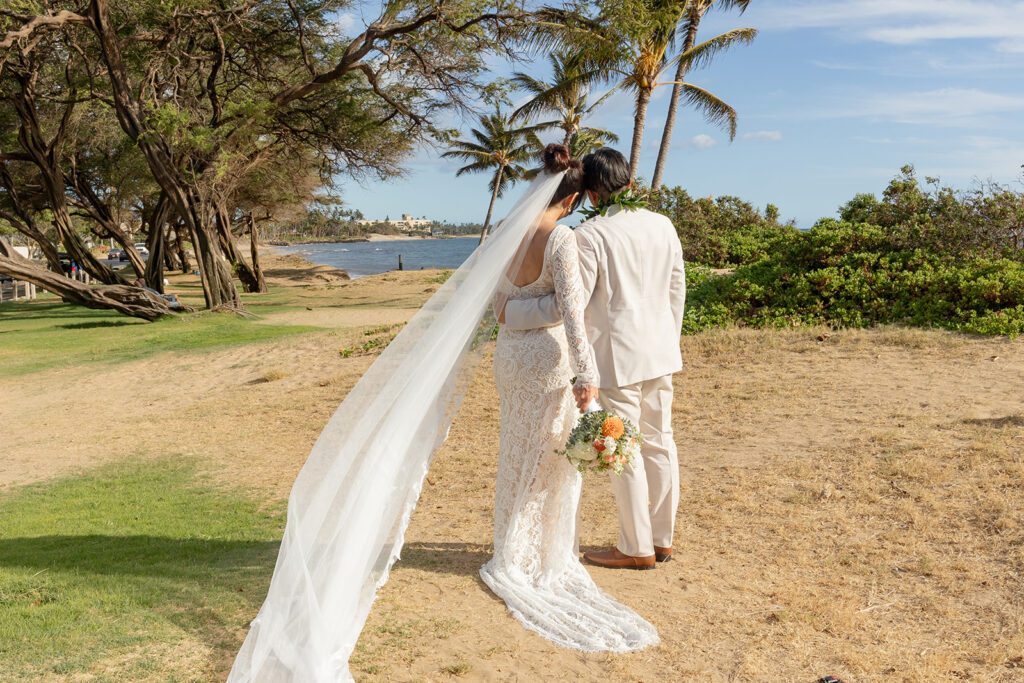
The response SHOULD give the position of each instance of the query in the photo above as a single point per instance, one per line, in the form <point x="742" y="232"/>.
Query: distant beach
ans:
<point x="360" y="259"/>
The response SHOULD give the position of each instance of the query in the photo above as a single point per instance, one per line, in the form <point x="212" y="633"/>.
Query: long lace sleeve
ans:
<point x="571" y="297"/>
<point x="501" y="295"/>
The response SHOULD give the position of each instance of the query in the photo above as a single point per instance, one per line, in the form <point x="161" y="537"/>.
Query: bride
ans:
<point x="535" y="568"/>
<point x="351" y="502"/>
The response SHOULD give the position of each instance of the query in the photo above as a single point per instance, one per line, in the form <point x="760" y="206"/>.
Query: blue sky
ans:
<point x="834" y="96"/>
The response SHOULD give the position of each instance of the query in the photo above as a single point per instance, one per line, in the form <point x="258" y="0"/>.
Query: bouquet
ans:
<point x="602" y="442"/>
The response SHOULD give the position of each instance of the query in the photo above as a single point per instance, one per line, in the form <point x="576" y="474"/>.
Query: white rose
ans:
<point x="609" y="445"/>
<point x="584" y="452"/>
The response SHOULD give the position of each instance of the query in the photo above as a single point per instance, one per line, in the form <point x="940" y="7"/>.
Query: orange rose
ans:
<point x="613" y="427"/>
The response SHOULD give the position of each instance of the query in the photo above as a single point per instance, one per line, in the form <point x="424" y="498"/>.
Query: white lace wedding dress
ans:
<point x="536" y="568"/>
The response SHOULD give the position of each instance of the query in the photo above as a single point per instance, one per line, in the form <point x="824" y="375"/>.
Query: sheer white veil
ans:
<point x="351" y="503"/>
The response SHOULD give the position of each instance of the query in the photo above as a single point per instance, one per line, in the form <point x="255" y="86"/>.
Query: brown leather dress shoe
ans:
<point x="613" y="559"/>
<point x="662" y="554"/>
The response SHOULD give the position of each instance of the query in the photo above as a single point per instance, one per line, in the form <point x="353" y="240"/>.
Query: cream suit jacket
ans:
<point x="633" y="277"/>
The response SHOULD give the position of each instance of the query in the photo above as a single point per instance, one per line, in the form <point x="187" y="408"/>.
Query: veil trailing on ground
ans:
<point x="351" y="503"/>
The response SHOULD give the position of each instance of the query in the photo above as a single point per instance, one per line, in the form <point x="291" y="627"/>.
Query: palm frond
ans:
<point x="478" y="167"/>
<point x="529" y="84"/>
<point x="703" y="53"/>
<point x="714" y="110"/>
<point x="567" y="91"/>
<point x="463" y="146"/>
<point x="512" y="173"/>
<point x="600" y="134"/>
<point x="726" y="5"/>
<point x="586" y="140"/>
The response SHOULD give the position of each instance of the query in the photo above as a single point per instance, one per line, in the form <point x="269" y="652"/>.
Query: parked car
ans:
<point x="141" y="248"/>
<point x="116" y="253"/>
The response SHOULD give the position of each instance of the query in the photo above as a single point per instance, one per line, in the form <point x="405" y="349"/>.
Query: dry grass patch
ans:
<point x="851" y="500"/>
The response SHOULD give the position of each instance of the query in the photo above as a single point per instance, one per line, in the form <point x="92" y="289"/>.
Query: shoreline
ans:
<point x="372" y="237"/>
<point x="279" y="254"/>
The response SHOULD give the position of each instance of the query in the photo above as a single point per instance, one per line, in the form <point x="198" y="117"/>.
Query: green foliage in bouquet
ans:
<point x="602" y="442"/>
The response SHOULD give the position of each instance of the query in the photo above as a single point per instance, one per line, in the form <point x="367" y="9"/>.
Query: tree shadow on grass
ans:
<point x="16" y="310"/>
<point x="154" y="556"/>
<point x="208" y="587"/>
<point x="98" y="323"/>
<point x="997" y="422"/>
<point x="460" y="559"/>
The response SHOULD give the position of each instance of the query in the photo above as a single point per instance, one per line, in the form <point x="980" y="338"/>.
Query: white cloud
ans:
<point x="839" y="66"/>
<point x="703" y="141"/>
<point x="945" y="106"/>
<point x="1014" y="46"/>
<point x="345" y="22"/>
<point x="904" y="22"/>
<point x="763" y="135"/>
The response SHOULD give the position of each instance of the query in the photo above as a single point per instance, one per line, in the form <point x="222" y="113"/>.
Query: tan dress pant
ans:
<point x="647" y="492"/>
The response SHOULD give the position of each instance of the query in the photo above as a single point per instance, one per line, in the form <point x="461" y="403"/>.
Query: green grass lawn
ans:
<point x="136" y="571"/>
<point x="46" y="333"/>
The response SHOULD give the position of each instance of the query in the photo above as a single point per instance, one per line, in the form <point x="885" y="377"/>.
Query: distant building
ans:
<point x="407" y="222"/>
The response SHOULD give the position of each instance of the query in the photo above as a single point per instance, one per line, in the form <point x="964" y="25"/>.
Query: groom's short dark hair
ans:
<point x="605" y="172"/>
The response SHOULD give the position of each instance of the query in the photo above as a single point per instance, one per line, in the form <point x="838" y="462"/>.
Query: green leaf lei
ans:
<point x="626" y="200"/>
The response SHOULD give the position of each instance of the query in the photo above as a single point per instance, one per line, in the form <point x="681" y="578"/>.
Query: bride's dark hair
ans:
<point x="556" y="159"/>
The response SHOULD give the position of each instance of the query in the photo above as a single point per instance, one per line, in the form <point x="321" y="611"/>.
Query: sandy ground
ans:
<point x="851" y="501"/>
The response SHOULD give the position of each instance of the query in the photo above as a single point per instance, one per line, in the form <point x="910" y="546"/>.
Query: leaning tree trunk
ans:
<point x="29" y="230"/>
<point x="254" y="252"/>
<point x="490" y="209"/>
<point x="133" y="301"/>
<point x="246" y="274"/>
<point x="643" y="98"/>
<point x="179" y="248"/>
<point x="673" y="105"/>
<point x="218" y="288"/>
<point x="24" y="223"/>
<point x="568" y="135"/>
<point x="170" y="256"/>
<point x="43" y="156"/>
<point x="104" y="218"/>
<point x="156" y="243"/>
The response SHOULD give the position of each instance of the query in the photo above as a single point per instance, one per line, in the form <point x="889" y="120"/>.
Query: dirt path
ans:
<point x="851" y="505"/>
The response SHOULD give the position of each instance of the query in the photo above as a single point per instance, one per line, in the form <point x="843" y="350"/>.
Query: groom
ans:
<point x="632" y="268"/>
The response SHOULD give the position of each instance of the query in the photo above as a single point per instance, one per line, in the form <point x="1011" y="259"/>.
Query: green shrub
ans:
<point x="846" y="274"/>
<point x="987" y="220"/>
<point x="721" y="232"/>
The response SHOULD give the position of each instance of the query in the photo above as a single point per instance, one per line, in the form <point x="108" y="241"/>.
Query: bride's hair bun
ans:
<point x="556" y="158"/>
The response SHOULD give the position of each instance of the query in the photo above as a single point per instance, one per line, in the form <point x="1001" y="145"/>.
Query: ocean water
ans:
<point x="360" y="259"/>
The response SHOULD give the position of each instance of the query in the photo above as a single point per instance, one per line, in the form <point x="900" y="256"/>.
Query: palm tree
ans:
<point x="586" y="140"/>
<point x="565" y="97"/>
<point x="691" y="19"/>
<point x="499" y="147"/>
<point x="640" y="61"/>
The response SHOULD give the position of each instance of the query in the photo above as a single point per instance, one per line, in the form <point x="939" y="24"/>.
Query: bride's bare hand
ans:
<point x="584" y="395"/>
